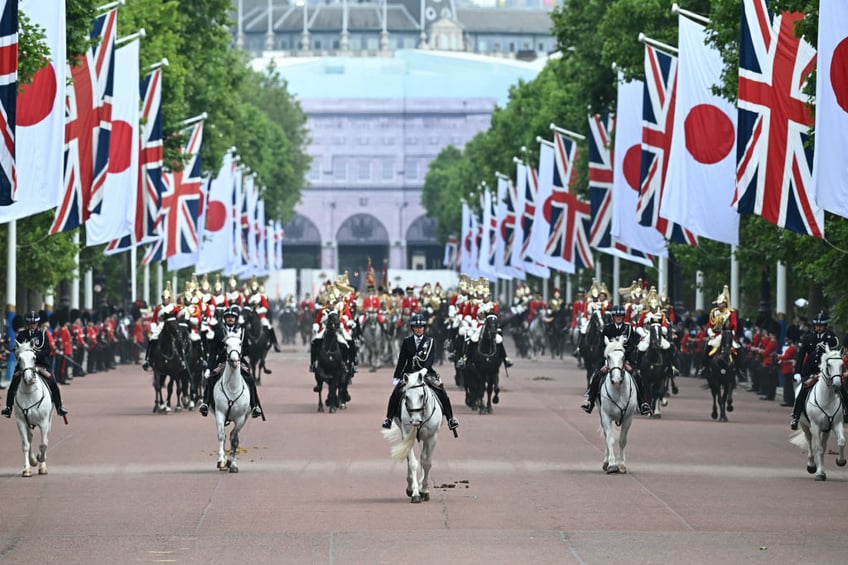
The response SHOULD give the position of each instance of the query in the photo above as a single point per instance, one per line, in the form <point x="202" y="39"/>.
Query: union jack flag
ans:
<point x="150" y="186"/>
<point x="600" y="191"/>
<point x="507" y="228"/>
<point x="657" y="125"/>
<point x="449" y="260"/>
<point x="247" y="239"/>
<point x="568" y="216"/>
<point x="773" y="160"/>
<point x="88" y="117"/>
<point x="182" y="204"/>
<point x="8" y="99"/>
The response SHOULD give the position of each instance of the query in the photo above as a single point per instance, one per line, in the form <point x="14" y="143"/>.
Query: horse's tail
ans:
<point x="401" y="450"/>
<point x="798" y="439"/>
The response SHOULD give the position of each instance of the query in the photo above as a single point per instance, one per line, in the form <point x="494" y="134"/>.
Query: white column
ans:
<point x="146" y="285"/>
<point x="239" y="24"/>
<point x="699" y="290"/>
<point x="662" y="274"/>
<point x="160" y="280"/>
<point x="599" y="272"/>
<point x="304" y="40"/>
<point x="734" y="278"/>
<point x="780" y="305"/>
<point x="616" y="279"/>
<point x="75" y="276"/>
<point x="269" y="36"/>
<point x="569" y="292"/>
<point x="133" y="274"/>
<point x="88" y="293"/>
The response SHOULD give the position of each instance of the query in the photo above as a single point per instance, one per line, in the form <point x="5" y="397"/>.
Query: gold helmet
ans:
<point x="343" y="284"/>
<point x="483" y="287"/>
<point x="724" y="296"/>
<point x="218" y="286"/>
<point x="188" y="292"/>
<point x="233" y="283"/>
<point x="204" y="284"/>
<point x="595" y="289"/>
<point x="254" y="284"/>
<point x="652" y="299"/>
<point x="463" y="283"/>
<point x="167" y="294"/>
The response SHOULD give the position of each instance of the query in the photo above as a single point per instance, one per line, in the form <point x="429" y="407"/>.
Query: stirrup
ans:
<point x="387" y="423"/>
<point x="645" y="409"/>
<point x="62" y="411"/>
<point x="257" y="411"/>
<point x="453" y="424"/>
<point x="794" y="423"/>
<point x="587" y="406"/>
<point x="7" y="412"/>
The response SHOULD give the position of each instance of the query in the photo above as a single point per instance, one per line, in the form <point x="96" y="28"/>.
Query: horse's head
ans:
<point x="830" y="367"/>
<point x="415" y="396"/>
<point x="614" y="354"/>
<point x="25" y="355"/>
<point x="232" y="347"/>
<point x="332" y="322"/>
<point x="490" y="324"/>
<point x="655" y="335"/>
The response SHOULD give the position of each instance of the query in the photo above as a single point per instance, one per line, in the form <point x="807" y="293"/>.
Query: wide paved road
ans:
<point x="523" y="485"/>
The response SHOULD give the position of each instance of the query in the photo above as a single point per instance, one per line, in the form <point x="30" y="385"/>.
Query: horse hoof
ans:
<point x="664" y="401"/>
<point x="42" y="470"/>
<point x="612" y="470"/>
<point x="233" y="469"/>
<point x="622" y="470"/>
<point x="425" y="496"/>
<point x="821" y="477"/>
<point x="730" y="408"/>
<point x="332" y="409"/>
<point x="811" y="469"/>
<point x="320" y="409"/>
<point x="415" y="499"/>
<point x="655" y="416"/>
<point x="714" y="415"/>
<point x="840" y="463"/>
<point x="409" y="492"/>
<point x="495" y="399"/>
<point x="605" y="466"/>
<point x="26" y="473"/>
<point x="723" y="419"/>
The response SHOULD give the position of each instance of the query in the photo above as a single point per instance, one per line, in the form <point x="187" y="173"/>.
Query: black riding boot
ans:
<point x="594" y="385"/>
<point x="644" y="406"/>
<point x="10" y="393"/>
<point x="146" y="364"/>
<point x="669" y="370"/>
<point x="57" y="396"/>
<point x="800" y="402"/>
<point x="208" y="394"/>
<point x="844" y="394"/>
<point x="393" y="409"/>
<point x="313" y="354"/>
<point x="502" y="353"/>
<point x="577" y="345"/>
<point x="442" y="394"/>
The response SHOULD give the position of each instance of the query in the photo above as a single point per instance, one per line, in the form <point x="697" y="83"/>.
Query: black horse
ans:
<point x="331" y="367"/>
<point x="721" y="376"/>
<point x="557" y="327"/>
<point x="652" y="367"/>
<point x="288" y="324"/>
<point x="481" y="371"/>
<point x="304" y="321"/>
<point x="175" y="360"/>
<point x="592" y="346"/>
<point x="257" y="342"/>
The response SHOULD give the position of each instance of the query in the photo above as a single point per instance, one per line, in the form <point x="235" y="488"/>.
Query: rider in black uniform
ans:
<point x="807" y="361"/>
<point x="43" y="352"/>
<point x="416" y="353"/>
<point x="217" y="360"/>
<point x="617" y="327"/>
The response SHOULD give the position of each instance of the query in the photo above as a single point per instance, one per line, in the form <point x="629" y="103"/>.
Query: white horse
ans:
<point x="618" y="406"/>
<point x="232" y="403"/>
<point x="33" y="409"/>
<point x="421" y="418"/>
<point x="823" y="414"/>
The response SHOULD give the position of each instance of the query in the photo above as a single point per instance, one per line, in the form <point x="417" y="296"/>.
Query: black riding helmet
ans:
<point x="32" y="317"/>
<point x="617" y="310"/>
<point x="417" y="321"/>
<point x="821" y="319"/>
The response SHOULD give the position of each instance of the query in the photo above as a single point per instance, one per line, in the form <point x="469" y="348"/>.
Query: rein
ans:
<point x="423" y="405"/>
<point x="622" y="409"/>
<point x="231" y="401"/>
<point x="36" y="404"/>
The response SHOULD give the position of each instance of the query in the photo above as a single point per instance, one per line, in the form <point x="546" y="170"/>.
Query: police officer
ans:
<point x="416" y="353"/>
<point x="616" y="328"/>
<point x="218" y="358"/>
<point x="37" y="336"/>
<point x="808" y="358"/>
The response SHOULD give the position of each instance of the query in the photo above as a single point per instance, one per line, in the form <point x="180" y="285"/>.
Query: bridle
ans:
<point x="423" y="406"/>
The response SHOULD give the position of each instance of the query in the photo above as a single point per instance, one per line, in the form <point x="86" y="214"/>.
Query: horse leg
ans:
<point x="609" y="446"/>
<point x="839" y="431"/>
<point x="730" y="388"/>
<point x="821" y="449"/>
<point x="320" y="387"/>
<point x="42" y="449"/>
<point x="222" y="460"/>
<point x="412" y="487"/>
<point x="811" y="458"/>
<point x="234" y="443"/>
<point x="427" y="447"/>
<point x="622" y="443"/>
<point x="26" y="447"/>
<point x="716" y="393"/>
<point x="723" y="403"/>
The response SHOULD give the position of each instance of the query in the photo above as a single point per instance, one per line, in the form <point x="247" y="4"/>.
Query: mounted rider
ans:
<point x="38" y="338"/>
<point x="332" y="300"/>
<point x="162" y="312"/>
<point x="722" y="317"/>
<point x="618" y="328"/>
<point x="258" y="302"/>
<point x="596" y="304"/>
<point x="578" y="308"/>
<point x="220" y="298"/>
<point x="653" y="314"/>
<point x="234" y="295"/>
<point x="371" y="302"/>
<point x="218" y="359"/>
<point x="810" y="350"/>
<point x="634" y="302"/>
<point x="416" y="353"/>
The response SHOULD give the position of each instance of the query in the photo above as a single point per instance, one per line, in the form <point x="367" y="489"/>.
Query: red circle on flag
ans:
<point x="35" y="101"/>
<point x="120" y="147"/>
<point x="216" y="215"/>
<point x="709" y="134"/>
<point x="632" y="166"/>
<point x="839" y="74"/>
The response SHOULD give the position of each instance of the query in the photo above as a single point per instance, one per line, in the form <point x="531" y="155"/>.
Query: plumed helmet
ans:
<point x="724" y="296"/>
<point x="204" y="285"/>
<point x="233" y="283"/>
<point x="254" y="284"/>
<point x="32" y="317"/>
<point x="417" y="321"/>
<point x="617" y="310"/>
<point x="166" y="294"/>
<point x="218" y="286"/>
<point x="821" y="319"/>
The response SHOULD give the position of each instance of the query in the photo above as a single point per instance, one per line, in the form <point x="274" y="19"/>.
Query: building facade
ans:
<point x="377" y="113"/>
